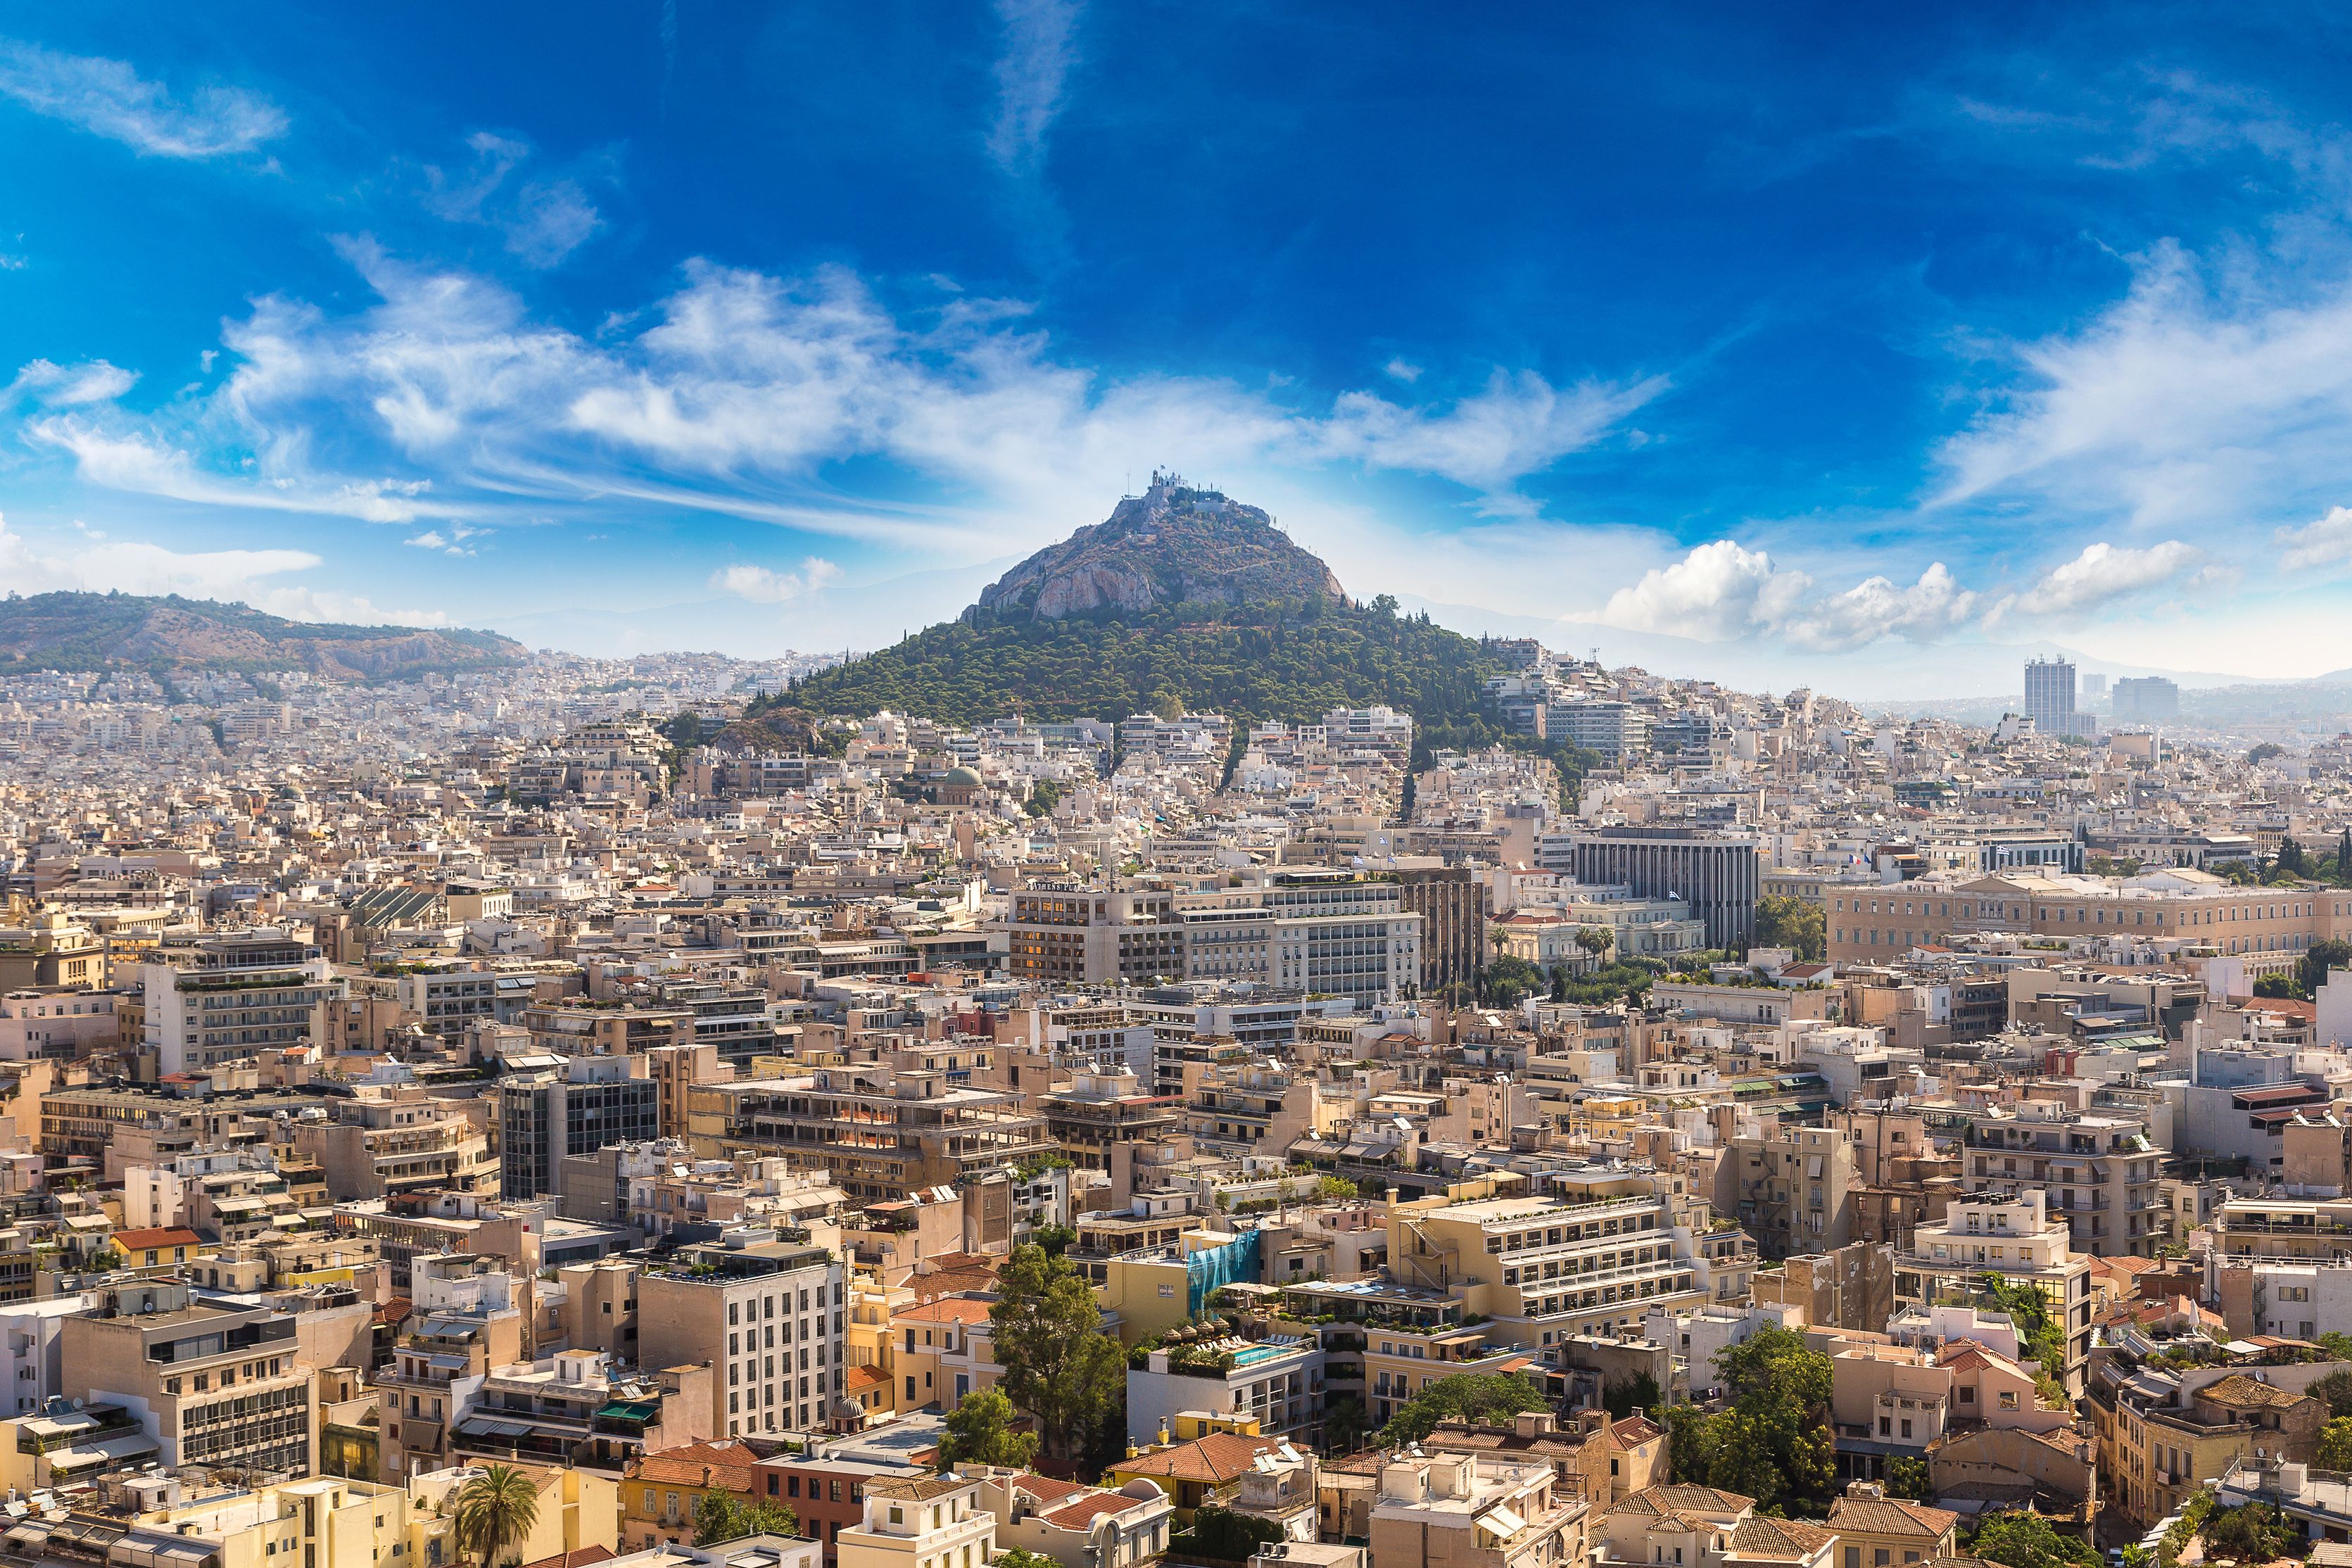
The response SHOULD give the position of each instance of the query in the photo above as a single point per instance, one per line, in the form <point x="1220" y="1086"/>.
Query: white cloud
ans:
<point x="143" y="568"/>
<point x="2102" y="574"/>
<point x="1718" y="593"/>
<point x="2325" y="542"/>
<point x="65" y="385"/>
<point x="1723" y="592"/>
<point x="1402" y="370"/>
<point x="542" y="220"/>
<point x="762" y="586"/>
<point x="452" y="542"/>
<point x="108" y="98"/>
<point x="1039" y="50"/>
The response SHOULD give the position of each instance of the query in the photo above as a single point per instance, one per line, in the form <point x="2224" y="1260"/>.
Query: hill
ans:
<point x="1171" y="545"/>
<point x="101" y="631"/>
<point x="1271" y="657"/>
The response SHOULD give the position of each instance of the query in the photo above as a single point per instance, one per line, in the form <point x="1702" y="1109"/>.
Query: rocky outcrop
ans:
<point x="1171" y="545"/>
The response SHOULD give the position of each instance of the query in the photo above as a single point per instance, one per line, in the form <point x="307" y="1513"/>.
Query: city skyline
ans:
<point x="1873" y="359"/>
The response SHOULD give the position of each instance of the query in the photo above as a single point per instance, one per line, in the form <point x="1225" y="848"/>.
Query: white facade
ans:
<point x="29" y="1331"/>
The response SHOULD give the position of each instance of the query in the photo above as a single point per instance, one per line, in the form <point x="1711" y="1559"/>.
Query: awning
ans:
<point x="1503" y="1523"/>
<point x="475" y="1427"/>
<point x="118" y="1449"/>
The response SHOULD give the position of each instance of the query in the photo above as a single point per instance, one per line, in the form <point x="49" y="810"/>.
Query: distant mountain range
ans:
<point x="104" y="631"/>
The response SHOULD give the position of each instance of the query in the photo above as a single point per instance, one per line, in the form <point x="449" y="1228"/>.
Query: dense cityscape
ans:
<point x="1056" y="785"/>
<point x="540" y="1114"/>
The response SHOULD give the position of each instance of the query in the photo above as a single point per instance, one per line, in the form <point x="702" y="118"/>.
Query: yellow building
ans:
<point x="577" y="1510"/>
<point x="940" y="1352"/>
<point x="325" y="1522"/>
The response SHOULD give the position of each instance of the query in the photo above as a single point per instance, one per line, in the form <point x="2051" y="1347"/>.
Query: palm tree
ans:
<point x="495" y="1511"/>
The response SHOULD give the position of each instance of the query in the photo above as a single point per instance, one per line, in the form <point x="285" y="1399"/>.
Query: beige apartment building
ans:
<point x="919" y="1522"/>
<point x="881" y="1131"/>
<point x="392" y="1139"/>
<point x="1472" y="1511"/>
<point x="2017" y="1238"/>
<point x="1069" y="934"/>
<point x="2098" y="1173"/>
<point x="1546" y="1269"/>
<point x="214" y="1383"/>
<point x="1792" y="1188"/>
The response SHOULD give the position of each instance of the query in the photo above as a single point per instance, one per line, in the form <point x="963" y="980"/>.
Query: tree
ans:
<point x="1907" y="1478"/>
<point x="1690" y="1444"/>
<point x="1630" y="1398"/>
<point x="1773" y="1443"/>
<point x="1476" y="1397"/>
<point x="2344" y="856"/>
<point x="2334" y="1391"/>
<point x="1337" y="1189"/>
<point x="495" y="1511"/>
<point x="1596" y="940"/>
<point x="1021" y="1557"/>
<point x="1054" y="1238"/>
<point x="723" y="1516"/>
<point x="1343" y="1424"/>
<point x="2026" y="1541"/>
<point x="1224" y="1535"/>
<point x="2256" y="1532"/>
<point x="979" y="1432"/>
<point x="1794" y="923"/>
<point x="1060" y="1368"/>
<point x="2290" y="855"/>
<point x="2335" y="1446"/>
<point x="2317" y="959"/>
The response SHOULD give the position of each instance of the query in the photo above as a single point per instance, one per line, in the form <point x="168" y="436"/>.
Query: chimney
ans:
<point x="1535" y="1423"/>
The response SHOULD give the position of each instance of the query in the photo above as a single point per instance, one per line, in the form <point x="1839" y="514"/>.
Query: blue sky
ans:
<point x="1771" y="344"/>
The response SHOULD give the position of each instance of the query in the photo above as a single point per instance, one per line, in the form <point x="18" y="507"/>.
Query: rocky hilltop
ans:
<point x="1171" y="545"/>
<point x="100" y="631"/>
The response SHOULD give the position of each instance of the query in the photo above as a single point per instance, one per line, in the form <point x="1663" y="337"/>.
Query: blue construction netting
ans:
<point x="1212" y="1269"/>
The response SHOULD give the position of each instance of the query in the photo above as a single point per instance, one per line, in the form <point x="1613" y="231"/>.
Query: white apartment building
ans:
<point x="919" y="1522"/>
<point x="29" y="1332"/>
<point x="232" y="996"/>
<point x="1323" y="931"/>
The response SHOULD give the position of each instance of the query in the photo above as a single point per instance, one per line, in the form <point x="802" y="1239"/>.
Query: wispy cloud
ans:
<point x="66" y="386"/>
<point x="1031" y="71"/>
<point x="543" y="218"/>
<point x="452" y="543"/>
<point x="146" y="466"/>
<point x="109" y="99"/>
<point x="2187" y="402"/>
<point x="763" y="586"/>
<point x="736" y="392"/>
